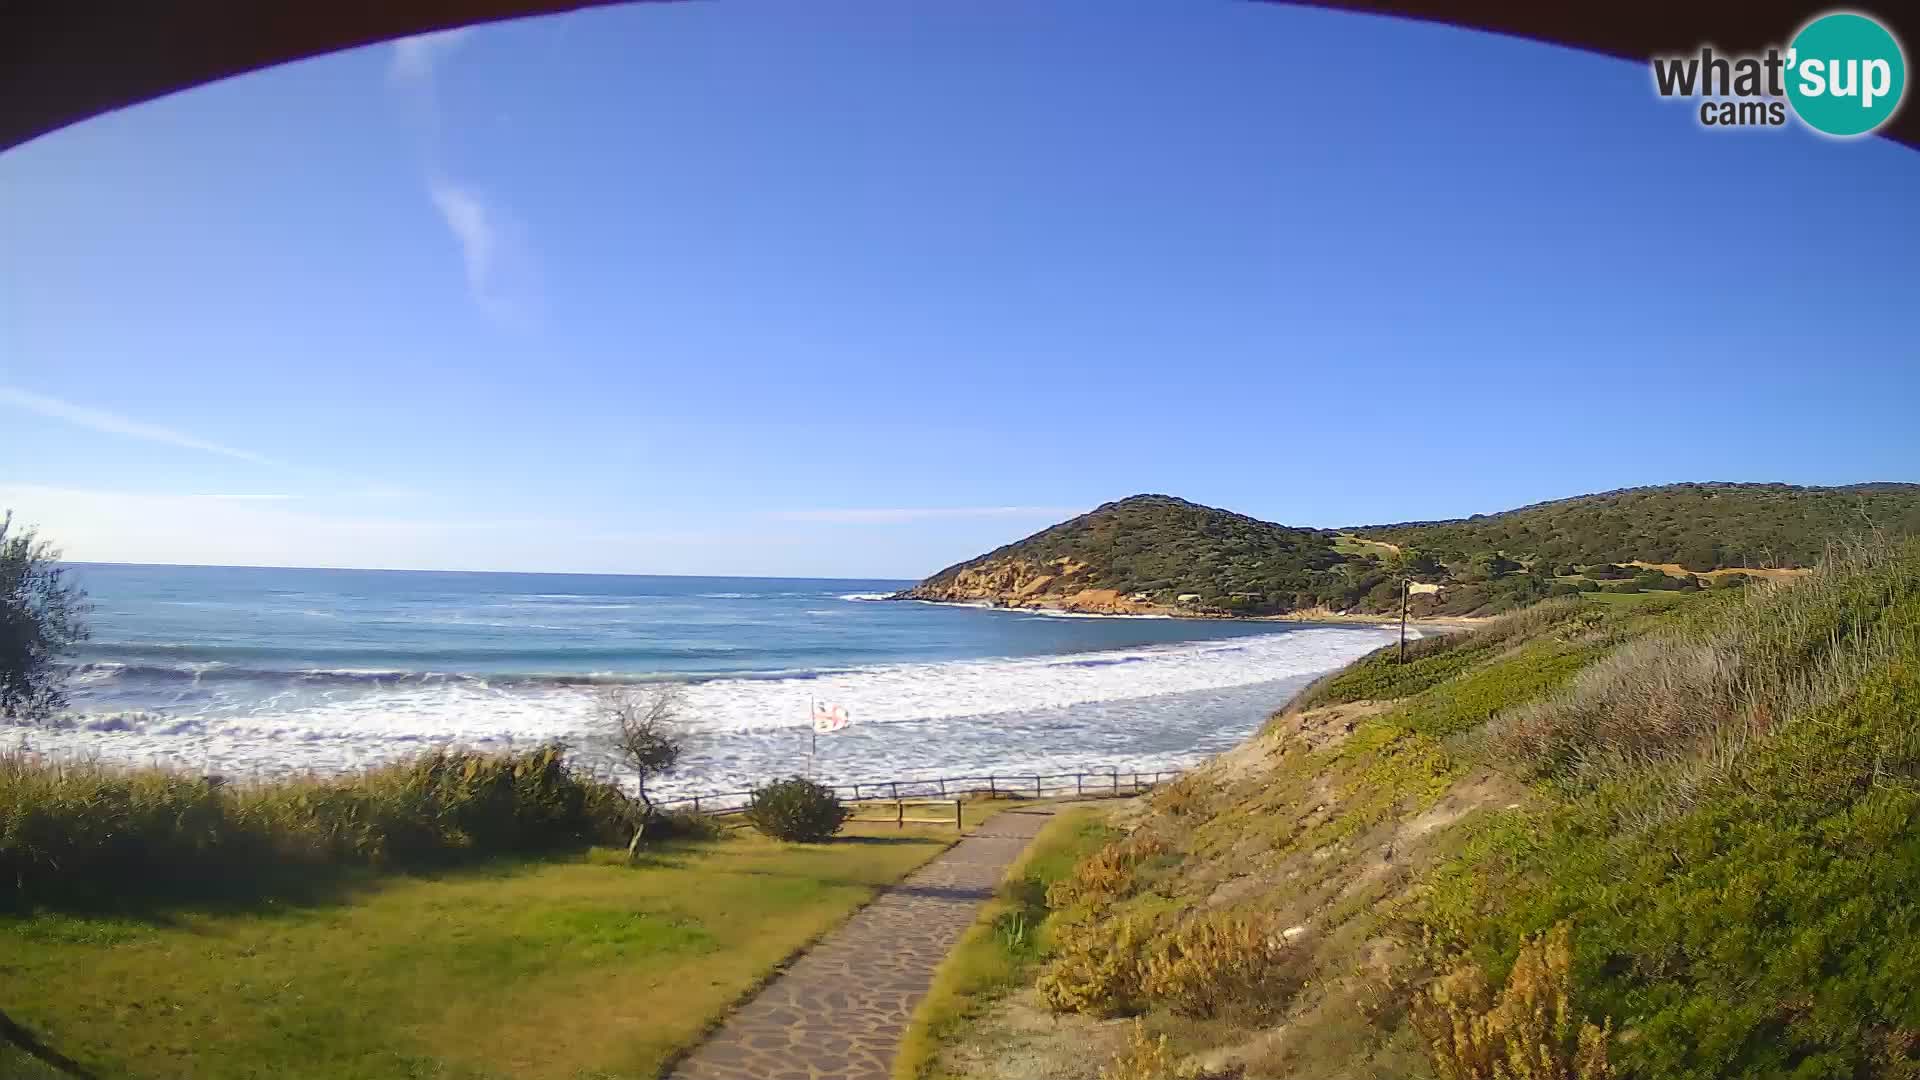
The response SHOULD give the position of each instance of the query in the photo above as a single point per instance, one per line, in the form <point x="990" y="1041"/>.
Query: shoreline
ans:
<point x="1147" y="611"/>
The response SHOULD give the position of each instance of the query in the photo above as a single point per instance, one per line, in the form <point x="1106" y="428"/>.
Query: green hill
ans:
<point x="1697" y="526"/>
<point x="1148" y="551"/>
<point x="1157" y="553"/>
<point x="1582" y="841"/>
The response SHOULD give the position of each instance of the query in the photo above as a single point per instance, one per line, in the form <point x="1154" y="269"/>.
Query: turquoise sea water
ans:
<point x="273" y="669"/>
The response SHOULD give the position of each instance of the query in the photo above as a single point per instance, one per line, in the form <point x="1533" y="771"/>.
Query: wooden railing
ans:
<point x="1112" y="782"/>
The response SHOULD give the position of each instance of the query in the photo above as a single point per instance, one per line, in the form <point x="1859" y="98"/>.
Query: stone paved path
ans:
<point x="839" y="1010"/>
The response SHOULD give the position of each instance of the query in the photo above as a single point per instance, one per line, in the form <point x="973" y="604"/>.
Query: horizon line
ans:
<point x="421" y="570"/>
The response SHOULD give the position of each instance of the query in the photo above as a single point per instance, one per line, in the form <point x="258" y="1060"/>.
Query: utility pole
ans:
<point x="1403" y="619"/>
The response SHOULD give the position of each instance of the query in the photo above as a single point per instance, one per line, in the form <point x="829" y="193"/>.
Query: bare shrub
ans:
<point x="643" y="727"/>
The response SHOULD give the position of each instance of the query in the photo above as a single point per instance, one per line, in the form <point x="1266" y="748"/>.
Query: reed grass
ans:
<point x="90" y="834"/>
<point x="1671" y="712"/>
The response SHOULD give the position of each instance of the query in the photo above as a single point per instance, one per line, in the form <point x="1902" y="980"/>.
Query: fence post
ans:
<point x="1036" y="787"/>
<point x="696" y="804"/>
<point x="895" y="785"/>
<point x="993" y="788"/>
<point x="958" y="824"/>
<point x="943" y="785"/>
<point x="1116" y="781"/>
<point x="1079" y="784"/>
<point x="856" y="793"/>
<point x="899" y="814"/>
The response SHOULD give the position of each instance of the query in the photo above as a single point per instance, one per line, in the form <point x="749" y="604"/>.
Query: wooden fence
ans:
<point x="952" y="788"/>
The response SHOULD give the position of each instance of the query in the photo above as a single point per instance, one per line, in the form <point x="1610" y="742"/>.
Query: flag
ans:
<point x="828" y="718"/>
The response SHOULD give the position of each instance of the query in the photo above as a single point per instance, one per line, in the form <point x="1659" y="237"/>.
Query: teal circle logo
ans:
<point x="1845" y="74"/>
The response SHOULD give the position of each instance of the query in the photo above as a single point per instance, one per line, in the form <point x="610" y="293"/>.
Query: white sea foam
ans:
<point x="1141" y="707"/>
<point x="867" y="596"/>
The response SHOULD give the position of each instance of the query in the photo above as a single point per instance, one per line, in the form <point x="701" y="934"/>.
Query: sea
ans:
<point x="261" y="671"/>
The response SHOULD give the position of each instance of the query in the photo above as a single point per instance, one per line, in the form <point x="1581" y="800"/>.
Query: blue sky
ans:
<point x="864" y="288"/>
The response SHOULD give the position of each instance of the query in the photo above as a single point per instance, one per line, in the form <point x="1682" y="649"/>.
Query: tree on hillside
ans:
<point x="42" y="617"/>
<point x="1420" y="565"/>
<point x="647" y="737"/>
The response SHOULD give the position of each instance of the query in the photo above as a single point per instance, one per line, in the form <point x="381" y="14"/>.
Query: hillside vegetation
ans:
<point x="1156" y="553"/>
<point x="1698" y="526"/>
<point x="1678" y="839"/>
<point x="1155" y="546"/>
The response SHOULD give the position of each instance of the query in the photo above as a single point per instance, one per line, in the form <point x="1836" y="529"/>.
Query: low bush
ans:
<point x="1222" y="962"/>
<point x="1528" y="1031"/>
<point x="1186" y="795"/>
<point x="1143" y="1058"/>
<point x="1096" y="968"/>
<point x="1211" y="965"/>
<point x="1105" y="876"/>
<point x="797" y="810"/>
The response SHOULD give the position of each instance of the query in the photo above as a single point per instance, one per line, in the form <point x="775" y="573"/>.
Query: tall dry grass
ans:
<point x="92" y="832"/>
<point x="1673" y="711"/>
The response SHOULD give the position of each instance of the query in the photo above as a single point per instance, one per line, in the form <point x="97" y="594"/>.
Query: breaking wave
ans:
<point x="1148" y="706"/>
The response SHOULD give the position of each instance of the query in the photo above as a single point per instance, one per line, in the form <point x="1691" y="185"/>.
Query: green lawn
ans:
<point x="568" y="967"/>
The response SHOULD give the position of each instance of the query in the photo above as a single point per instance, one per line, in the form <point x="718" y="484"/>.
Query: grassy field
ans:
<point x="1349" y="544"/>
<point x="998" y="951"/>
<point x="563" y="967"/>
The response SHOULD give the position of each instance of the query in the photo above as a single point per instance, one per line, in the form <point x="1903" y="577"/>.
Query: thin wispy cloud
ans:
<point x="32" y="492"/>
<point x="107" y="422"/>
<point x="112" y="423"/>
<point x="92" y="525"/>
<point x="890" y="515"/>
<point x="414" y="57"/>
<point x="472" y="225"/>
<point x="501" y="275"/>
